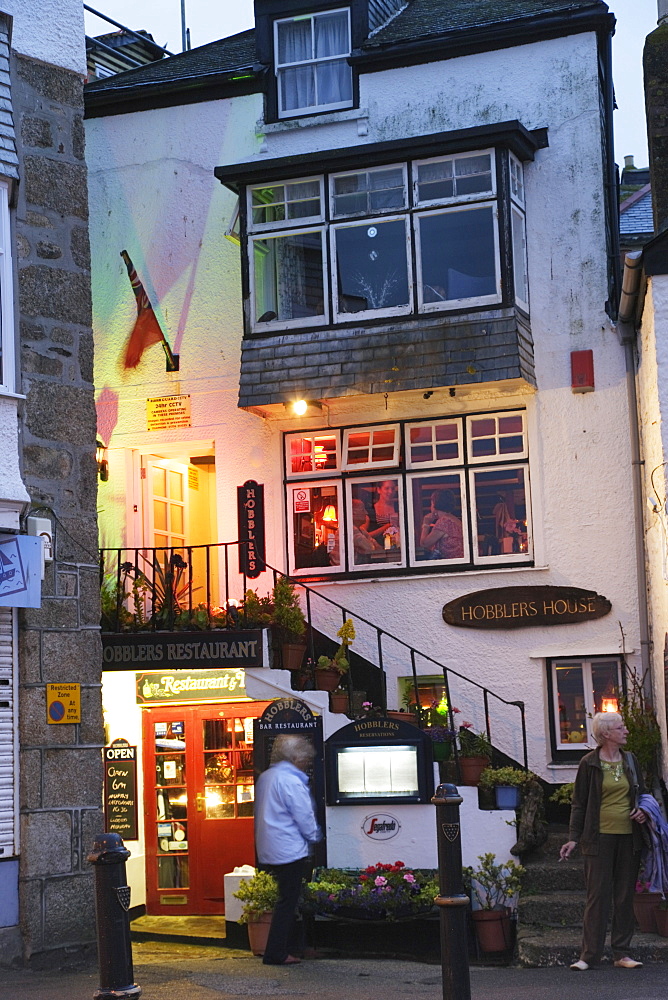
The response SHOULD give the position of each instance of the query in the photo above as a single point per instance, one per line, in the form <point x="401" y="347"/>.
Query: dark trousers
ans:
<point x="285" y="933"/>
<point x="610" y="877"/>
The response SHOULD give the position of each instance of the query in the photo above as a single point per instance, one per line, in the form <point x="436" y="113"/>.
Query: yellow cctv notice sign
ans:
<point x="63" y="703"/>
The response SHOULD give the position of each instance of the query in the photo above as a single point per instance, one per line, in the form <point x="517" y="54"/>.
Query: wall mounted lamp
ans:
<point x="102" y="462"/>
<point x="301" y="407"/>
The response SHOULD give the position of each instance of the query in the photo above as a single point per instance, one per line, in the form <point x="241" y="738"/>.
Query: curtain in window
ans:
<point x="297" y="84"/>
<point x="334" y="84"/>
<point x="325" y="83"/>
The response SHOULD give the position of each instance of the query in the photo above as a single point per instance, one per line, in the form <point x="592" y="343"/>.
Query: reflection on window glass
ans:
<point x="219" y="800"/>
<point x="458" y="255"/>
<point x="315" y="525"/>
<point x="520" y="256"/>
<point x="285" y="202"/>
<point x="367" y="447"/>
<point x="500" y="499"/>
<point x="437" y="517"/>
<point x="315" y="453"/>
<point x="172" y="803"/>
<point x="372" y="266"/>
<point x="173" y="873"/>
<point x="376" y="522"/>
<point x="501" y="434"/>
<point x="605" y="685"/>
<point x="288" y="277"/>
<point x="368" y="191"/>
<point x="456" y="177"/>
<point x="431" y="443"/>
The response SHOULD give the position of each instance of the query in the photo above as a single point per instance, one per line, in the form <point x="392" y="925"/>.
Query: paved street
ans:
<point x="176" y="972"/>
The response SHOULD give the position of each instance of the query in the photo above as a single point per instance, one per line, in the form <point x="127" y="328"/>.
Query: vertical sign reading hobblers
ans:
<point x="250" y="513"/>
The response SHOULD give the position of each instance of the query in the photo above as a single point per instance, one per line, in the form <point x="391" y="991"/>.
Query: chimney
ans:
<point x="655" y="66"/>
<point x="628" y="160"/>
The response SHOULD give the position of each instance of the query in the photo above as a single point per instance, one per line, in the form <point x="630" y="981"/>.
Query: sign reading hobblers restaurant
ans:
<point x="222" y="648"/>
<point x="519" y="607"/>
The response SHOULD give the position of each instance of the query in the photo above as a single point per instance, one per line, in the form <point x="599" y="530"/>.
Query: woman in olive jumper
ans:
<point x="605" y="824"/>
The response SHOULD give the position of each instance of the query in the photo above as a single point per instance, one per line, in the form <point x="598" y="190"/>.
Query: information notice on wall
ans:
<point x="165" y="412"/>
<point x="120" y="789"/>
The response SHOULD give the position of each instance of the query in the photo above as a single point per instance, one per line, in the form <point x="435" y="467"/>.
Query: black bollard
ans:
<point x="452" y="900"/>
<point x="112" y="902"/>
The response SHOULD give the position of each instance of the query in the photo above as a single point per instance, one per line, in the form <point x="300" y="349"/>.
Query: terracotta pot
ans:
<point x="661" y="917"/>
<point x="471" y="768"/>
<point x="338" y="701"/>
<point x="644" y="907"/>
<point x="492" y="929"/>
<point x="258" y="932"/>
<point x="402" y="716"/>
<point x="292" y="655"/>
<point x="327" y="679"/>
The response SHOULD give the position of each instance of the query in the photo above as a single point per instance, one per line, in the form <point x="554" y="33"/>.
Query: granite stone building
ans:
<point x="50" y="771"/>
<point x="402" y="217"/>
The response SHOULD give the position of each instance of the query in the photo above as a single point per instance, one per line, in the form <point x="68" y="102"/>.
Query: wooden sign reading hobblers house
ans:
<point x="519" y="607"/>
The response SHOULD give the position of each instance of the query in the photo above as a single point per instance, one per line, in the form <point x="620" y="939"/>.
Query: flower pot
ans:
<point x="507" y="797"/>
<point x="644" y="907"/>
<point x="327" y="679"/>
<point x="292" y="655"/>
<point x="401" y="716"/>
<point x="441" y="751"/>
<point x="492" y="929"/>
<point x="258" y="932"/>
<point x="338" y="701"/>
<point x="471" y="768"/>
<point x="661" y="918"/>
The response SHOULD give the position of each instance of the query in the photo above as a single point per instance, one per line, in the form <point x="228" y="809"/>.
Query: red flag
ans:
<point x="146" y="330"/>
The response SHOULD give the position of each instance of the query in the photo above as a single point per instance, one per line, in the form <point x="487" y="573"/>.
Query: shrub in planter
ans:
<point x="259" y="895"/>
<point x="494" y="887"/>
<point x="380" y="892"/>
<point x="508" y="784"/>
<point x="330" y="669"/>
<point x="475" y="754"/>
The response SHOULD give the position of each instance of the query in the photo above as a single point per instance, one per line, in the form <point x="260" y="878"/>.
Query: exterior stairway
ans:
<point x="551" y="910"/>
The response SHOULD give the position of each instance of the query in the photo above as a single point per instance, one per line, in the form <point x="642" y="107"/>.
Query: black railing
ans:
<point x="190" y="587"/>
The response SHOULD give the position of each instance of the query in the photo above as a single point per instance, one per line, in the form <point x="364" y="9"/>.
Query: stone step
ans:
<point x="552" y="909"/>
<point x="539" y="949"/>
<point x="542" y="876"/>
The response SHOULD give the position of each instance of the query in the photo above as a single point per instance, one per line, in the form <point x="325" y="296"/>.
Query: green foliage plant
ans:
<point x="563" y="795"/>
<point x="492" y="777"/>
<point x="339" y="661"/>
<point x="113" y="597"/>
<point x="381" y="891"/>
<point x="644" y="739"/>
<point x="474" y="744"/>
<point x="259" y="894"/>
<point x="494" y="884"/>
<point x="287" y="615"/>
<point x="256" y="611"/>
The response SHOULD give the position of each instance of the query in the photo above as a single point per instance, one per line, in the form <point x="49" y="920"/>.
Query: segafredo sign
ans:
<point x="380" y="826"/>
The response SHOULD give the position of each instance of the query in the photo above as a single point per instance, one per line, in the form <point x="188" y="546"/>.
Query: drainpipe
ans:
<point x="626" y="329"/>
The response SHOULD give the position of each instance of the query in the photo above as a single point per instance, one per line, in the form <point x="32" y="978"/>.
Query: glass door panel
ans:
<point x="171" y="805"/>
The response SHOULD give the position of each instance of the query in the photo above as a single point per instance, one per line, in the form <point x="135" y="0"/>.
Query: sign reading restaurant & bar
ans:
<point x="182" y="649"/>
<point x="519" y="607"/>
<point x="164" y="686"/>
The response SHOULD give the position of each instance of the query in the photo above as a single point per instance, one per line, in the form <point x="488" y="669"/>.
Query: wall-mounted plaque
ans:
<point x="519" y="607"/>
<point x="120" y="789"/>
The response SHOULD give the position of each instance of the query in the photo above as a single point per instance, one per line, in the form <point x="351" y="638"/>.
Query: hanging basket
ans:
<point x="644" y="906"/>
<point x="493" y="929"/>
<point x="258" y="932"/>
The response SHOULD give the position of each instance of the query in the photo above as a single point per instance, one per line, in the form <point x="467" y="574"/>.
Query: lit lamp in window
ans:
<point x="320" y="458"/>
<point x="609" y="705"/>
<point x="102" y="463"/>
<point x="329" y="513"/>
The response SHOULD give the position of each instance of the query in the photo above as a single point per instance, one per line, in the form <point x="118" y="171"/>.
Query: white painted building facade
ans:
<point x="531" y="101"/>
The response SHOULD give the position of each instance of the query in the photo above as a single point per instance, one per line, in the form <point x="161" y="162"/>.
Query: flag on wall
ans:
<point x="146" y="330"/>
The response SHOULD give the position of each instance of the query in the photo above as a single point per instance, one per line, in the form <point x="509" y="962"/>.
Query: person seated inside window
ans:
<point x="363" y="543"/>
<point x="442" y="534"/>
<point x="386" y="513"/>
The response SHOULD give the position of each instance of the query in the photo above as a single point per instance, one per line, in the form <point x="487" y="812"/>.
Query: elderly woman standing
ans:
<point x="605" y="823"/>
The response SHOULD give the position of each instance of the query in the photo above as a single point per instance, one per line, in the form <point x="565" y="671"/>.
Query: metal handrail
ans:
<point x="309" y="591"/>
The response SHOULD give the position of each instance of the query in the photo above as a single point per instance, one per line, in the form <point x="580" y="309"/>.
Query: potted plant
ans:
<point x="288" y="624"/>
<point x="330" y="669"/>
<point x="475" y="754"/>
<point x="645" y="905"/>
<point x="259" y="895"/>
<point x="493" y="886"/>
<point x="338" y="700"/>
<point x="508" y="784"/>
<point x="256" y="611"/>
<point x="562" y="798"/>
<point x="441" y="741"/>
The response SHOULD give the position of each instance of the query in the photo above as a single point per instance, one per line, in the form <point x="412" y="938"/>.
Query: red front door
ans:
<point x="198" y="803"/>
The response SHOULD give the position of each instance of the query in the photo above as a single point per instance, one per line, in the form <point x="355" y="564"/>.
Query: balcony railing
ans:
<point x="197" y="587"/>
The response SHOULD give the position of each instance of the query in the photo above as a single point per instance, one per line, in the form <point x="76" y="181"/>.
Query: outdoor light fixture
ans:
<point x="102" y="463"/>
<point x="301" y="407"/>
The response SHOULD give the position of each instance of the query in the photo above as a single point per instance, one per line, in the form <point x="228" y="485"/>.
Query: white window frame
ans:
<point x="518" y="218"/>
<point x="466" y="556"/>
<point x="585" y="664"/>
<point x="435" y="462"/>
<point x="364" y="466"/>
<point x="453" y="304"/>
<point x="307" y="220"/>
<point x="350" y="317"/>
<point x="500" y="558"/>
<point x="7" y="333"/>
<point x="456" y="199"/>
<point x="400" y="500"/>
<point x="312" y="435"/>
<point x="312" y="108"/>
<point x="313" y="483"/>
<point x="287" y="324"/>
<point x="517" y="193"/>
<point x="368" y="170"/>
<point x="497" y="457"/>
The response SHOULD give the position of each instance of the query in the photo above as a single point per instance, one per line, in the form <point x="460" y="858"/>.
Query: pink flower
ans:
<point x="466" y="725"/>
<point x="408" y="877"/>
<point x="380" y="880"/>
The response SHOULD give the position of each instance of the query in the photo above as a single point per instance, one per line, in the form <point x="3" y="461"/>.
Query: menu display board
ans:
<point x="370" y="771"/>
<point x="120" y="789"/>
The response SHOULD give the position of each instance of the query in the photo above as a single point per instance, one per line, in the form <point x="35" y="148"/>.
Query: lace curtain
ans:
<point x="318" y="84"/>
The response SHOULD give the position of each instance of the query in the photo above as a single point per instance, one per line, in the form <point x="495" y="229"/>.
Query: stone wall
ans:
<point x="61" y="767"/>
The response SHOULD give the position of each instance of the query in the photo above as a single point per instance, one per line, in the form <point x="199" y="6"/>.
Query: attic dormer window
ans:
<point x="312" y="70"/>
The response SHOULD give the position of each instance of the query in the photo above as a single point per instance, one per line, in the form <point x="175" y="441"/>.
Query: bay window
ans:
<point x="311" y="62"/>
<point x="450" y="492"/>
<point x="396" y="240"/>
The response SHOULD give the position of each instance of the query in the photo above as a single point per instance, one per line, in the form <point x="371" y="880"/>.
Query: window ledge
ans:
<point x="7" y="394"/>
<point x="573" y="766"/>
<point x="426" y="576"/>
<point x="311" y="121"/>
